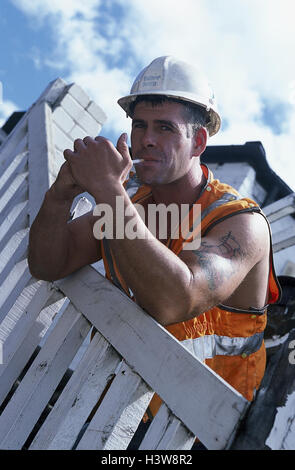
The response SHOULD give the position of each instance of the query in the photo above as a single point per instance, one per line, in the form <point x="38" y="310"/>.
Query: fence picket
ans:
<point x="167" y="432"/>
<point x="38" y="385"/>
<point x="21" y="330"/>
<point x="15" y="220"/>
<point x="13" y="285"/>
<point x="119" y="414"/>
<point x="16" y="166"/>
<point x="79" y="397"/>
<point x="14" y="251"/>
<point x="123" y="323"/>
<point x="14" y="194"/>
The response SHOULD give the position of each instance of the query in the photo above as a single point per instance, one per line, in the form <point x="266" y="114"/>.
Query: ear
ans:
<point x="200" y="142"/>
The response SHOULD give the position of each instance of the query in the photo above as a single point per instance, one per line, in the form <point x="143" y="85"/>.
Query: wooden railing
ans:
<point x="58" y="389"/>
<point x="131" y="348"/>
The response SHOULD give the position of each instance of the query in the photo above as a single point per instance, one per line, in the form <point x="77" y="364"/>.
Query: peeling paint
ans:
<point x="283" y="430"/>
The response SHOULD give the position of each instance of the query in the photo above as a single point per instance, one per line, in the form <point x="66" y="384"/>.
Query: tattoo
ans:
<point x="215" y="270"/>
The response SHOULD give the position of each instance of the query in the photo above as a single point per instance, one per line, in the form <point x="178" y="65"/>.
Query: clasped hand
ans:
<point x="96" y="164"/>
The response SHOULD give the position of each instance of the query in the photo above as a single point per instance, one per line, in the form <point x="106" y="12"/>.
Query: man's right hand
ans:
<point x="65" y="187"/>
<point x="57" y="246"/>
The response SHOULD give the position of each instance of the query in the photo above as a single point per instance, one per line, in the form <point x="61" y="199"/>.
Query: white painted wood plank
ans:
<point x="89" y="124"/>
<point x="13" y="143"/>
<point x="62" y="119"/>
<point x="78" y="133"/>
<point x="59" y="158"/>
<point x="283" y="239"/>
<point x="72" y="107"/>
<point x="281" y="208"/>
<point x="13" y="194"/>
<point x="62" y="140"/>
<point x="97" y="113"/>
<point x="289" y="440"/>
<point x="81" y="116"/>
<point x="35" y="390"/>
<point x="119" y="414"/>
<point x="211" y="408"/>
<point x="14" y="251"/>
<point x="31" y="341"/>
<point x="16" y="166"/>
<point x="27" y="305"/>
<point x="79" y="397"/>
<point x="166" y="432"/>
<point x="79" y="95"/>
<point x="11" y="288"/>
<point x="22" y="329"/>
<point x="58" y="161"/>
<point x="15" y="220"/>
<point x="41" y="155"/>
<point x="53" y="92"/>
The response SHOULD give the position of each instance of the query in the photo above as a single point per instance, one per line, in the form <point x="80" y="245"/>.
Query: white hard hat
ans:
<point x="174" y="78"/>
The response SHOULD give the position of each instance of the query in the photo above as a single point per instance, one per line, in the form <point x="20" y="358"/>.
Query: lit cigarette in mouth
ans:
<point x="138" y="160"/>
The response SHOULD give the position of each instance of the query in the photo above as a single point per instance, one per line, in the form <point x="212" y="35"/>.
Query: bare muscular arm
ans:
<point x="173" y="288"/>
<point x="58" y="247"/>
<point x="232" y="263"/>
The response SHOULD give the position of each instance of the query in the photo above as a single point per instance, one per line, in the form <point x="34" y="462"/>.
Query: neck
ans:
<point x="185" y="190"/>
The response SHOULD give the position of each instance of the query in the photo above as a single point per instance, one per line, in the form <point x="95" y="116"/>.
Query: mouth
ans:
<point x="145" y="160"/>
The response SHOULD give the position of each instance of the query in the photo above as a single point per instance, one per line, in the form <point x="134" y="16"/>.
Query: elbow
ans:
<point x="41" y="274"/>
<point x="179" y="305"/>
<point x="168" y="311"/>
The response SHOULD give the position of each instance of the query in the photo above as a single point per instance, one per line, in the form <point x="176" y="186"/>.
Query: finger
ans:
<point x="99" y="138"/>
<point x="122" y="146"/>
<point x="87" y="140"/>
<point x="68" y="154"/>
<point x="79" y="145"/>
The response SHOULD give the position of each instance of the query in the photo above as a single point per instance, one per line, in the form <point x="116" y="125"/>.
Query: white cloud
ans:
<point x="6" y="109"/>
<point x="66" y="8"/>
<point x="244" y="47"/>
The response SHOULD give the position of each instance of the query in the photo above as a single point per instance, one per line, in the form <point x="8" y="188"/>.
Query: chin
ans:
<point x="150" y="180"/>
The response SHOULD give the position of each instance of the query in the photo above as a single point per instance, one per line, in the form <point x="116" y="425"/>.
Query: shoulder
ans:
<point x="242" y="238"/>
<point x="248" y="232"/>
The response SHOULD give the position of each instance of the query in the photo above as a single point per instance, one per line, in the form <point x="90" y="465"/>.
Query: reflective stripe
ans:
<point x="110" y="264"/>
<point x="226" y="197"/>
<point x="209" y="346"/>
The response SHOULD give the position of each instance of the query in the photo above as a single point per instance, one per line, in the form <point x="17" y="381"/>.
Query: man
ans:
<point x="212" y="298"/>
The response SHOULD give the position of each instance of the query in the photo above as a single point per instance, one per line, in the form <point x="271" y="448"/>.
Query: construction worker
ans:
<point x="212" y="298"/>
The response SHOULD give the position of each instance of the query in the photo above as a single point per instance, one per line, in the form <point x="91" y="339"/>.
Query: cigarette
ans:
<point x="138" y="160"/>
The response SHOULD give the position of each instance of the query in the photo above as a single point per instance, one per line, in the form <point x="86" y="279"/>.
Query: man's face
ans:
<point x="160" y="136"/>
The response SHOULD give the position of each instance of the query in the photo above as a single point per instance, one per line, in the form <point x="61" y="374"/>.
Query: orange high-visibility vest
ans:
<point x="229" y="340"/>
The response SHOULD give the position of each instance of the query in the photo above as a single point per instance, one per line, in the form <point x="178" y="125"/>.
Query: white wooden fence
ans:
<point x="45" y="401"/>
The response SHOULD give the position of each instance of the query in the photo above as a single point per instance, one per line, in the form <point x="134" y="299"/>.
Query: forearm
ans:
<point x="48" y="241"/>
<point x="158" y="278"/>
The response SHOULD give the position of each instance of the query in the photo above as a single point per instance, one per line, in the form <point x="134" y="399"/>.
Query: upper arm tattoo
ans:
<point x="216" y="272"/>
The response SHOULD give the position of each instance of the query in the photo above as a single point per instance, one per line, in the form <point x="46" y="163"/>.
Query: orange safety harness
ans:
<point x="229" y="340"/>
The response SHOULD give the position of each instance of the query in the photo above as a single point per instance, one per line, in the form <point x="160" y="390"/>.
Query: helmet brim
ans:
<point x="214" y="123"/>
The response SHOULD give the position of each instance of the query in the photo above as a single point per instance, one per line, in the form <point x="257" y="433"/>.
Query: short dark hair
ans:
<point x="195" y="115"/>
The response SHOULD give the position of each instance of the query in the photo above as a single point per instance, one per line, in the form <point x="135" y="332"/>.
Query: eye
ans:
<point x="164" y="127"/>
<point x="137" y="125"/>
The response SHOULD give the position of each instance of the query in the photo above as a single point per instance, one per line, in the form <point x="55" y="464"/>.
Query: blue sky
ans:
<point x="246" y="48"/>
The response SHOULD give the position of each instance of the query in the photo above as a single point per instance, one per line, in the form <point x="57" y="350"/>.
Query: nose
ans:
<point x="149" y="138"/>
